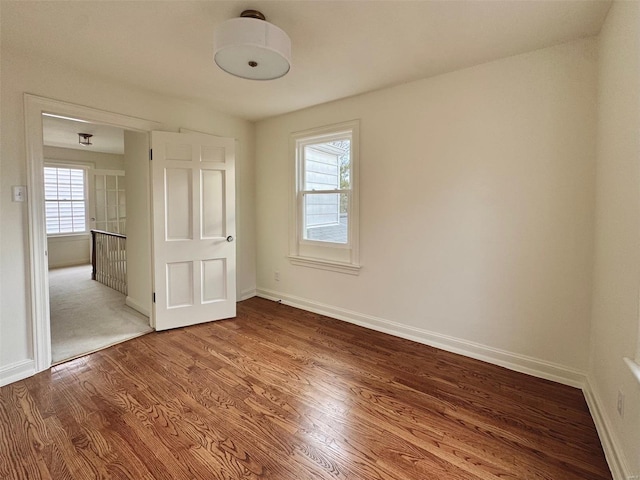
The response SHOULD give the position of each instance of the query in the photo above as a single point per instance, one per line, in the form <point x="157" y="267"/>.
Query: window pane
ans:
<point x="77" y="192"/>
<point x="78" y="209"/>
<point x="326" y="217"/>
<point x="65" y="209"/>
<point x="327" y="165"/>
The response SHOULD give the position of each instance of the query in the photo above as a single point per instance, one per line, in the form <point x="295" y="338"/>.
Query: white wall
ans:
<point x="617" y="255"/>
<point x="69" y="250"/>
<point x="108" y="161"/>
<point x="138" y="221"/>
<point x="24" y="72"/>
<point x="477" y="198"/>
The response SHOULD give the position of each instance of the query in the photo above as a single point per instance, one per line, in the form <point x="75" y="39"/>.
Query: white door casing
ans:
<point x="194" y="249"/>
<point x="34" y="107"/>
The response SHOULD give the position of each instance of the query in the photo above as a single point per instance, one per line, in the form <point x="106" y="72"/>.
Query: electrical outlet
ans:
<point x="620" y="405"/>
<point x="276" y="276"/>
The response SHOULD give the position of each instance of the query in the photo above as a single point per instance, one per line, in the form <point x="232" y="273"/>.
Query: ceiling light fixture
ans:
<point x="85" y="139"/>
<point x="250" y="47"/>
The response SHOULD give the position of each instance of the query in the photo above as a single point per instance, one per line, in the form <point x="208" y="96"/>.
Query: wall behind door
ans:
<point x="136" y="153"/>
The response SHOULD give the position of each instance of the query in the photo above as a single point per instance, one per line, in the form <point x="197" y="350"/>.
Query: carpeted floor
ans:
<point x="87" y="316"/>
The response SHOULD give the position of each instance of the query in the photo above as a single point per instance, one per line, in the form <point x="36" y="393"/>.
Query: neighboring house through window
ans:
<point x="324" y="230"/>
<point x="65" y="200"/>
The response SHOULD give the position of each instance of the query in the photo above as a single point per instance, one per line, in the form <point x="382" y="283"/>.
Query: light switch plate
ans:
<point x="18" y="193"/>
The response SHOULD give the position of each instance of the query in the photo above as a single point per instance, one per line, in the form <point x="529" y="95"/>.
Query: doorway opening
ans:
<point x="186" y="264"/>
<point x="137" y="132"/>
<point x="85" y="201"/>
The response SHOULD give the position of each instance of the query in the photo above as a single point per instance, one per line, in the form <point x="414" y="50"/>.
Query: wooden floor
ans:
<point x="282" y="394"/>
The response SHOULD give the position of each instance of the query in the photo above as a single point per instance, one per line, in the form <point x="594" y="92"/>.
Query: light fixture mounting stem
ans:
<point x="252" y="14"/>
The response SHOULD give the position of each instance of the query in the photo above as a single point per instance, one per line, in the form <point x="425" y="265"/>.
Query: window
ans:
<point x="325" y="228"/>
<point x="65" y="200"/>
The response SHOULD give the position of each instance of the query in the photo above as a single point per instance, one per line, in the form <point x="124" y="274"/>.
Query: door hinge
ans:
<point x="154" y="297"/>
<point x="151" y="154"/>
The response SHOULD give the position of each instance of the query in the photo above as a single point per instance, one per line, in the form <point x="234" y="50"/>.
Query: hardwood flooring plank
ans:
<point x="20" y="430"/>
<point x="282" y="394"/>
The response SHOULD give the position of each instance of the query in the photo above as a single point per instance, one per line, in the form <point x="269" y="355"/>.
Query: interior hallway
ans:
<point x="87" y="316"/>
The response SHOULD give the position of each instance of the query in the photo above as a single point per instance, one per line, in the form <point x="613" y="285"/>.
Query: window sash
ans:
<point x="303" y="182"/>
<point x="305" y="226"/>
<point x="65" y="200"/>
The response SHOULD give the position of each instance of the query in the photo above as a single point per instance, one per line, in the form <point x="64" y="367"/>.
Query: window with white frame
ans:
<point x="324" y="231"/>
<point x="65" y="200"/>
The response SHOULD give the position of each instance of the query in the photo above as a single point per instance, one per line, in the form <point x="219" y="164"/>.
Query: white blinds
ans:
<point x="65" y="200"/>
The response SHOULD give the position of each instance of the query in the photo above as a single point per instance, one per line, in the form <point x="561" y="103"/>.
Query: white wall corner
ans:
<point x="612" y="451"/>
<point x="512" y="361"/>
<point x="17" y="371"/>
<point x="247" y="294"/>
<point x="130" y="302"/>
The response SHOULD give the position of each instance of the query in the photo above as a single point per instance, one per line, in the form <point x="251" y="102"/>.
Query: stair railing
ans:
<point x="109" y="259"/>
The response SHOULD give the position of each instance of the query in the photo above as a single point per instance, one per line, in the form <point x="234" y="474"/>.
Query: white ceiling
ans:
<point x="339" y="48"/>
<point x="59" y="132"/>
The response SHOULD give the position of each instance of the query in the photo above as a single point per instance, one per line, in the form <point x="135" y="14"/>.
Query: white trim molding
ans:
<point x="634" y="367"/>
<point x="247" y="294"/>
<point x="339" y="267"/>
<point x="612" y="451"/>
<point x="512" y="361"/>
<point x="16" y="371"/>
<point x="138" y="307"/>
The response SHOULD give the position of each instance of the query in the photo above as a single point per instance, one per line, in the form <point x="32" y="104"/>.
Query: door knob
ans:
<point x="229" y="238"/>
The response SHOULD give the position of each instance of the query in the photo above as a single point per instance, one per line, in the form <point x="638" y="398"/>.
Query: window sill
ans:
<point x="339" y="267"/>
<point x="634" y="367"/>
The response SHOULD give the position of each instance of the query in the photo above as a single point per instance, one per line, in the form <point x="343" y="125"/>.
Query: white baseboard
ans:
<point x="247" y="294"/>
<point x="130" y="302"/>
<point x="512" y="361"/>
<point x="17" y="371"/>
<point x="612" y="451"/>
<point x="76" y="263"/>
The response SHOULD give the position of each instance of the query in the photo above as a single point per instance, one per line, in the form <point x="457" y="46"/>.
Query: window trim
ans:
<point x="85" y="167"/>
<point x="337" y="257"/>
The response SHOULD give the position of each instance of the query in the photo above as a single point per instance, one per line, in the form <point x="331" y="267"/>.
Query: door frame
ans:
<point x="34" y="107"/>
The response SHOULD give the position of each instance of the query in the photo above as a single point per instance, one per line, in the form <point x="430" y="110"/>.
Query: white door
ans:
<point x="194" y="245"/>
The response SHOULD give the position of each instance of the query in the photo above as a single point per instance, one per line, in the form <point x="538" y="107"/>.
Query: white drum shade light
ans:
<point x="250" y="47"/>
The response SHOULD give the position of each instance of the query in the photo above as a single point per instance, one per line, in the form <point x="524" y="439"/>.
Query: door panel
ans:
<point x="194" y="228"/>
